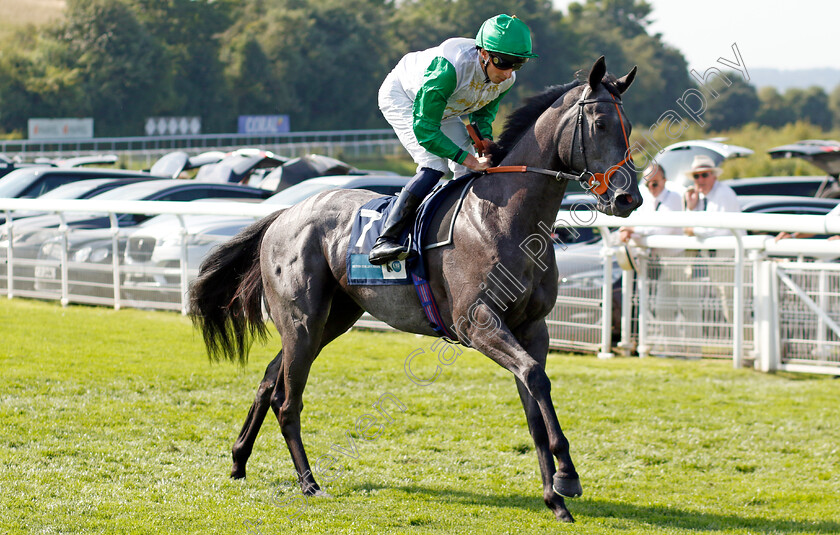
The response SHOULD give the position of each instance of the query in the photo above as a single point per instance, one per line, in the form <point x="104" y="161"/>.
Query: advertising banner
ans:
<point x="263" y="124"/>
<point x="61" y="128"/>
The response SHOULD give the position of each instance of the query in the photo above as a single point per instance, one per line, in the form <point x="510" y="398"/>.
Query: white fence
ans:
<point x="144" y="150"/>
<point x="747" y="298"/>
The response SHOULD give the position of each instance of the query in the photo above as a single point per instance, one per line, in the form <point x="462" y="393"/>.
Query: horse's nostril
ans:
<point x="624" y="203"/>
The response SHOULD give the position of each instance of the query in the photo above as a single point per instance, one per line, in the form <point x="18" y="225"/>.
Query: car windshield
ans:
<point x="140" y="190"/>
<point x="15" y="182"/>
<point x="298" y="192"/>
<point x="74" y="190"/>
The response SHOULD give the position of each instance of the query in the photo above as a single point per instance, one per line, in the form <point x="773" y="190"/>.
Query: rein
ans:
<point x="597" y="182"/>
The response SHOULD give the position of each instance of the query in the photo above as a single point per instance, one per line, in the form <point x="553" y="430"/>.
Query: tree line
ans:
<point x="321" y="61"/>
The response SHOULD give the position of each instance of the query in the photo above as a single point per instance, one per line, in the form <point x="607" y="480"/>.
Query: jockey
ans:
<point x="424" y="97"/>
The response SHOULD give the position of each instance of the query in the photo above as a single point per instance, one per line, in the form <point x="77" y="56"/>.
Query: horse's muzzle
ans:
<point x="624" y="203"/>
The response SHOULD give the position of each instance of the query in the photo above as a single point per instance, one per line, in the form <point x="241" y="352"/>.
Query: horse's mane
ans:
<point x="527" y="114"/>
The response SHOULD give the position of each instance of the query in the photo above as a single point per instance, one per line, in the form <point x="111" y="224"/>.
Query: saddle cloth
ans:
<point x="435" y="217"/>
<point x="433" y="224"/>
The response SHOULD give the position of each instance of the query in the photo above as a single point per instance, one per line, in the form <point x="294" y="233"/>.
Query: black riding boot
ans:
<point x="387" y="248"/>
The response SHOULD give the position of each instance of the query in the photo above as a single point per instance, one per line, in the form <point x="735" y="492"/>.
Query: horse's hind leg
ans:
<point x="342" y="316"/>
<point x="304" y="334"/>
<point x="245" y="442"/>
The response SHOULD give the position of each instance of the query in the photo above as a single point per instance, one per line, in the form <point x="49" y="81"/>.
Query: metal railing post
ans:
<point x="65" y="286"/>
<point x="627" y="281"/>
<point x="184" y="266"/>
<point x="10" y="256"/>
<point x="606" y="302"/>
<point x="738" y="303"/>
<point x="644" y="306"/>
<point x="115" y="257"/>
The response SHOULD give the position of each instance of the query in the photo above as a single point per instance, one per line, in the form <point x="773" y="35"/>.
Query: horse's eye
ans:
<point x="600" y="125"/>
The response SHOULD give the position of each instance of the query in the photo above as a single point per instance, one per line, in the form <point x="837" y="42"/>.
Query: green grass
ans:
<point x="114" y="422"/>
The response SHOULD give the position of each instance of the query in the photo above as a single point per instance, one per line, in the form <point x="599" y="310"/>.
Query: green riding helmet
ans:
<point x="505" y="35"/>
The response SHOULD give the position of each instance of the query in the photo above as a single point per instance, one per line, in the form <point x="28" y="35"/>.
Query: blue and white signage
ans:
<point x="263" y="124"/>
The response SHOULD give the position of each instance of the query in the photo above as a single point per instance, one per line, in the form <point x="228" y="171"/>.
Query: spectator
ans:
<point x="662" y="291"/>
<point x="664" y="200"/>
<point x="710" y="195"/>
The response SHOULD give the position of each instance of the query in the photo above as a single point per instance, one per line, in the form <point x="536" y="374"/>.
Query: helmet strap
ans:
<point x="484" y="63"/>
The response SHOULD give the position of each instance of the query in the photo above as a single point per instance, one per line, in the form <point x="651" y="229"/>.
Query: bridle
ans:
<point x="596" y="182"/>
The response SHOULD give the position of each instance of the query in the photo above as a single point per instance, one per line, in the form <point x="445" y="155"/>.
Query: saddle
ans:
<point x="432" y="228"/>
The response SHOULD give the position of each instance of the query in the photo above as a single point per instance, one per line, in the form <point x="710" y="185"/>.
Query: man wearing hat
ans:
<point x="710" y="195"/>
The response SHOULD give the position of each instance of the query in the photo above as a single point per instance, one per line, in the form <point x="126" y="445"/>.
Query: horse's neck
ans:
<point x="529" y="197"/>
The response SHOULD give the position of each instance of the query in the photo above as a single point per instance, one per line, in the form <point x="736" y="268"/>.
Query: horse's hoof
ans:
<point x="237" y="473"/>
<point x="563" y="515"/>
<point x="568" y="488"/>
<point x="321" y="494"/>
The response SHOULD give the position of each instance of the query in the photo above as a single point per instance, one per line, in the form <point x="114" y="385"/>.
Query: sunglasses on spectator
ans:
<point x="652" y="184"/>
<point x="507" y="62"/>
<point x="704" y="174"/>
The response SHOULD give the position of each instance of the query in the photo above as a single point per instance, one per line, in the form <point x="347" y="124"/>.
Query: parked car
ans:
<point x="307" y="167"/>
<point x="151" y="251"/>
<point x="797" y="186"/>
<point x="780" y="204"/>
<point x="823" y="154"/>
<point x="174" y="164"/>
<point x="152" y="190"/>
<point x="239" y="165"/>
<point x="7" y="165"/>
<point x="83" y="189"/>
<point x="32" y="182"/>
<point x="31" y="233"/>
<point x="80" y="161"/>
<point x="384" y="183"/>
<point x="91" y="254"/>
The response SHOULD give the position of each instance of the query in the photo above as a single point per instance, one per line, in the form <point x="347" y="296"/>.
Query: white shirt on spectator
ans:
<point x="721" y="198"/>
<point x="666" y="201"/>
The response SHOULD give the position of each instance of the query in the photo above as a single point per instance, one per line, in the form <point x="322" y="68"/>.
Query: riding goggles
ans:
<point x="504" y="62"/>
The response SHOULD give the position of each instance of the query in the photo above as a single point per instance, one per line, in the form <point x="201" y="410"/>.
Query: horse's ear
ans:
<point x="597" y="73"/>
<point x="624" y="82"/>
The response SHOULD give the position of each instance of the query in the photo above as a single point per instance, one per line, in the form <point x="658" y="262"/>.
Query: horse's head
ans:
<point x="597" y="141"/>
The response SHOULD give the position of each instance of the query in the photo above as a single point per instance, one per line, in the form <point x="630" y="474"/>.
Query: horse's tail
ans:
<point x="226" y="298"/>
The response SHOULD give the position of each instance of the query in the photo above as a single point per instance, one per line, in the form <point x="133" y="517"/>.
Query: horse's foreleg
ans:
<point x="536" y="426"/>
<point x="534" y="340"/>
<point x="503" y="347"/>
<point x="245" y="442"/>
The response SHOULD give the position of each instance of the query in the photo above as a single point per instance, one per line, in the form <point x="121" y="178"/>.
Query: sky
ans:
<point x="801" y="34"/>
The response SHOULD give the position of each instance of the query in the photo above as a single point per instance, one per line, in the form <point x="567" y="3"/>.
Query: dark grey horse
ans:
<point x="293" y="261"/>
